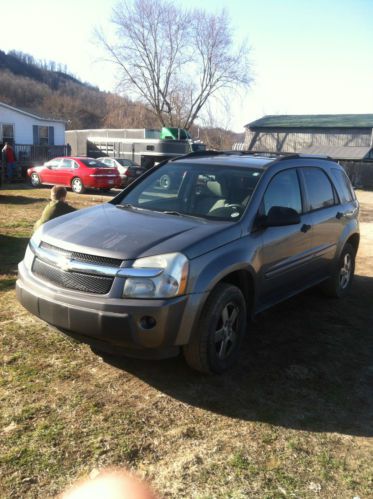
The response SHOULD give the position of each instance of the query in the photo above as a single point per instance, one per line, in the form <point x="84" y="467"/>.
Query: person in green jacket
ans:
<point x="56" y="207"/>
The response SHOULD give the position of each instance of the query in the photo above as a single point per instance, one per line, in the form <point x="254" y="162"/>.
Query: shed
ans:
<point x="347" y="138"/>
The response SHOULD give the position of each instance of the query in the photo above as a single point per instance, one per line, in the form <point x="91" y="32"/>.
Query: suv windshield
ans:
<point x="208" y="191"/>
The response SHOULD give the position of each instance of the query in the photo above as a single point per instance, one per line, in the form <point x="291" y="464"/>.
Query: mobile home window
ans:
<point x="7" y="133"/>
<point x="43" y="136"/>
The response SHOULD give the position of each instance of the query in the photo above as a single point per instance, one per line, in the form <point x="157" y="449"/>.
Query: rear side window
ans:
<point x="343" y="185"/>
<point x="67" y="163"/>
<point x="283" y="190"/>
<point x="319" y="188"/>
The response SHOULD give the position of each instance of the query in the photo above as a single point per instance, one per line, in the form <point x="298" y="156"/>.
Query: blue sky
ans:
<point x="313" y="56"/>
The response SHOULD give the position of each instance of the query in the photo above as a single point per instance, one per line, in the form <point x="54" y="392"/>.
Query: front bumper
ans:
<point x="102" y="320"/>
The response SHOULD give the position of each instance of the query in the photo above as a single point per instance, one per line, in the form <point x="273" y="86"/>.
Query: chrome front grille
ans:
<point x="82" y="257"/>
<point x="74" y="270"/>
<point x="71" y="280"/>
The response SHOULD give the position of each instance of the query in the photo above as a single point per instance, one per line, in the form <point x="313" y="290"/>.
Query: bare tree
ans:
<point x="173" y="59"/>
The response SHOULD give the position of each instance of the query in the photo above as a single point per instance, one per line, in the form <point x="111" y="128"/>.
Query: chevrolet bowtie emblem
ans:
<point x="63" y="262"/>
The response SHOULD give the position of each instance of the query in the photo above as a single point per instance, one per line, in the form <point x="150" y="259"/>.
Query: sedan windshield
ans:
<point x="208" y="191"/>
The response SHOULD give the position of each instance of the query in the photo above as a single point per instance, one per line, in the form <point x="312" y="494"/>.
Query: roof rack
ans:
<point x="195" y="154"/>
<point x="229" y="152"/>
<point x="279" y="156"/>
<point x="304" y="156"/>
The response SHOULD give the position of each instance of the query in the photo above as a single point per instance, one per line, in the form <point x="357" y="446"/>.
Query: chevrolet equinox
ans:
<point x="184" y="265"/>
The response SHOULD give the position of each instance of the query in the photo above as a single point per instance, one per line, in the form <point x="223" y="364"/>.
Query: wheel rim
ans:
<point x="226" y="334"/>
<point x="346" y="271"/>
<point x="77" y="185"/>
<point x="165" y="182"/>
<point x="34" y="179"/>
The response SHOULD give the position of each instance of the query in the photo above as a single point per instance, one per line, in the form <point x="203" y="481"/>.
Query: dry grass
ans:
<point x="293" y="419"/>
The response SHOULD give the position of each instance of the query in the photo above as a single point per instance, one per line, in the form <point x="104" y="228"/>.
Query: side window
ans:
<point x="343" y="185"/>
<point x="319" y="189"/>
<point x="66" y="163"/>
<point x="53" y="164"/>
<point x="283" y="190"/>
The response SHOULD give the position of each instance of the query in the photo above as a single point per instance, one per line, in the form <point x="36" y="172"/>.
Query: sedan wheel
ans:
<point x="165" y="182"/>
<point x="77" y="185"/>
<point x="35" y="180"/>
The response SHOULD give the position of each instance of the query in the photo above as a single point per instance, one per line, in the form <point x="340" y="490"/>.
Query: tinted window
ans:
<point x="343" y="185"/>
<point x="92" y="163"/>
<point x="124" y="162"/>
<point x="283" y="190"/>
<point x="319" y="189"/>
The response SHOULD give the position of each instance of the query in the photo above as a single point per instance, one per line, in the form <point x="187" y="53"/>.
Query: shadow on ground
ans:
<point x="5" y="199"/>
<point x="12" y="250"/>
<point x="307" y="364"/>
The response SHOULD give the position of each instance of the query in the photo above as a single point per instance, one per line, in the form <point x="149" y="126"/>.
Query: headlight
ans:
<point x="171" y="281"/>
<point x="29" y="255"/>
<point x="28" y="259"/>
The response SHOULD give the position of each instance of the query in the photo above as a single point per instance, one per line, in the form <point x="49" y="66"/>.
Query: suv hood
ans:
<point x="128" y="234"/>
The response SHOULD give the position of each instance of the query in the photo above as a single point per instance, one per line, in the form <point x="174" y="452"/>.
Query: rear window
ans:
<point x="125" y="162"/>
<point x="93" y="163"/>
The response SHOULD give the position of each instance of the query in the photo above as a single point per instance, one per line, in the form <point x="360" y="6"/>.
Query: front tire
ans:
<point x="340" y="283"/>
<point x="215" y="346"/>
<point x="77" y="185"/>
<point x="35" y="180"/>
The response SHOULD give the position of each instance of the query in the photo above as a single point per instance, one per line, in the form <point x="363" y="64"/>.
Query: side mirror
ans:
<point x="279" y="216"/>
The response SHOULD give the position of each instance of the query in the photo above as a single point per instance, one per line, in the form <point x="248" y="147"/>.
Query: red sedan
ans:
<point x="77" y="173"/>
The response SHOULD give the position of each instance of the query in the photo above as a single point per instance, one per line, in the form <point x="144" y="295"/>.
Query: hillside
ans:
<point x="47" y="89"/>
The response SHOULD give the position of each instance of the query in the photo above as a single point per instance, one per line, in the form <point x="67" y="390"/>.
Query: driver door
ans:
<point x="50" y="171"/>
<point x="286" y="252"/>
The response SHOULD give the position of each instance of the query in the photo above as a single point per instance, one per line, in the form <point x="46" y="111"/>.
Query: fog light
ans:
<point x="147" y="322"/>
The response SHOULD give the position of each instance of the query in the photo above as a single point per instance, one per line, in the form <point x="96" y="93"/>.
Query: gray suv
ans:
<point x="156" y="271"/>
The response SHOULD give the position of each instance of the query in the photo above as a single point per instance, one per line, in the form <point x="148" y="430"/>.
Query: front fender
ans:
<point x="209" y="269"/>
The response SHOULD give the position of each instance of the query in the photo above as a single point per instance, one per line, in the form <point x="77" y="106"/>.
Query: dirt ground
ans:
<point x="293" y="419"/>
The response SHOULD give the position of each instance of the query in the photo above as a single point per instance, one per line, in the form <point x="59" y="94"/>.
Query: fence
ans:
<point x="26" y="153"/>
<point x="360" y="172"/>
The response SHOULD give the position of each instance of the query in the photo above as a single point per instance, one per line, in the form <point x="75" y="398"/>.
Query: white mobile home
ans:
<point x="33" y="137"/>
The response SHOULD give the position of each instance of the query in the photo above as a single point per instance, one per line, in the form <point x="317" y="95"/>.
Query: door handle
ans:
<point x="340" y="214"/>
<point x="305" y="228"/>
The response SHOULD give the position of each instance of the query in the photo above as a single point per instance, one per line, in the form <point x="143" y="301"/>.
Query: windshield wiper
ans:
<point x="172" y="212"/>
<point x="127" y="205"/>
<point x="179" y="214"/>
